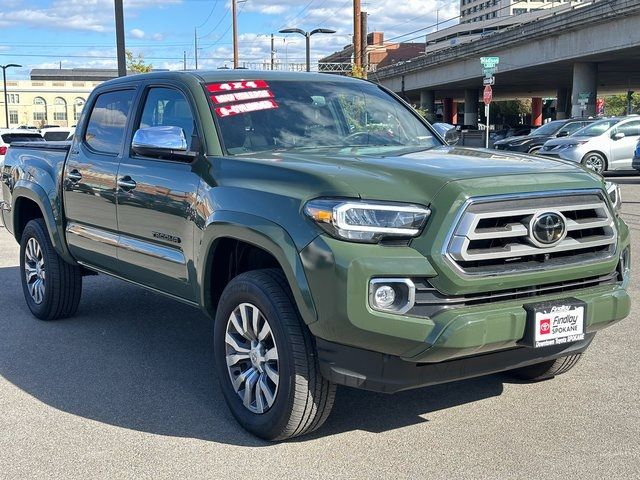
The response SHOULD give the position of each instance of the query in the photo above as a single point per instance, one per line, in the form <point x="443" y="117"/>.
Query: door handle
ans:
<point x="74" y="175"/>
<point x="126" y="183"/>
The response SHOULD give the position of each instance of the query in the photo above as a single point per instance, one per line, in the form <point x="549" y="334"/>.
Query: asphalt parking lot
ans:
<point x="126" y="390"/>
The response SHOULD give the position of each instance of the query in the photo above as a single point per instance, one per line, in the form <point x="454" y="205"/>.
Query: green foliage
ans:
<point x="137" y="64"/>
<point x="617" y="104"/>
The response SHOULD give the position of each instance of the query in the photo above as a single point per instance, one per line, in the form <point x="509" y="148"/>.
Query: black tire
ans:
<point x="545" y="370"/>
<point x="303" y="398"/>
<point x="534" y="150"/>
<point x="595" y="161"/>
<point x="62" y="281"/>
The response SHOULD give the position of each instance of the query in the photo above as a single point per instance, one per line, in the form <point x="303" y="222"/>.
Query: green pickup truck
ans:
<point x="330" y="232"/>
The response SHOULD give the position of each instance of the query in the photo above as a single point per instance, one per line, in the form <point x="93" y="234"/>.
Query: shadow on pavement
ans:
<point x="137" y="360"/>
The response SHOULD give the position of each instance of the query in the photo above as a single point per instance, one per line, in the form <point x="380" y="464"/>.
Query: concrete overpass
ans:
<point x="594" y="50"/>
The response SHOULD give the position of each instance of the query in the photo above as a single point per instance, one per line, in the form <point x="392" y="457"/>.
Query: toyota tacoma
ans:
<point x="331" y="234"/>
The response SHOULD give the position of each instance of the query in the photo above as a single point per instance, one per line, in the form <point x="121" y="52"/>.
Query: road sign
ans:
<point x="489" y="61"/>
<point x="487" y="96"/>
<point x="489" y="80"/>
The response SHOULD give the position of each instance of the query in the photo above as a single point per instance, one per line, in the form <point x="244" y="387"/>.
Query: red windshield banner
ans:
<point x="239" y="108"/>
<point x="232" y="86"/>
<point x="242" y="96"/>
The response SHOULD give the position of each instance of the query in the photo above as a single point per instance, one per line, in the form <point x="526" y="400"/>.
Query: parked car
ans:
<point x="532" y="142"/>
<point x="603" y="145"/>
<point x="636" y="157"/>
<point x="326" y="250"/>
<point x="56" y="134"/>
<point x="507" y="132"/>
<point x="8" y="136"/>
<point x="449" y="132"/>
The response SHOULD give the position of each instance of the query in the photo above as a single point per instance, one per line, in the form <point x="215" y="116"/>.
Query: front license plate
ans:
<point x="555" y="323"/>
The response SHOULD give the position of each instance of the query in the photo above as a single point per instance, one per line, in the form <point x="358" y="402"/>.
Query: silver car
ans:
<point x="604" y="145"/>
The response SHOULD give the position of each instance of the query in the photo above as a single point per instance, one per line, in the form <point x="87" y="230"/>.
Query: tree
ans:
<point x="136" y="64"/>
<point x="617" y="104"/>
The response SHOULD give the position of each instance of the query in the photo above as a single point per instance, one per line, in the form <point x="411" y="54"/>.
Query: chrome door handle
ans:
<point x="126" y="183"/>
<point x="74" y="175"/>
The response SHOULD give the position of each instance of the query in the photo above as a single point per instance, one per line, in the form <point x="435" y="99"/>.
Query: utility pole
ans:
<point x="363" y="44"/>
<point x="184" y="59"/>
<point x="122" y="61"/>
<point x="357" y="34"/>
<point x="273" y="53"/>
<point x="4" y="87"/>
<point x="195" y="45"/>
<point x="234" y="14"/>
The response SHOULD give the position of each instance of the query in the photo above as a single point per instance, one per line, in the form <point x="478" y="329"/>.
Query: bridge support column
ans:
<point x="536" y="111"/>
<point x="562" y="103"/>
<point x="585" y="85"/>
<point x="471" y="107"/>
<point x="428" y="104"/>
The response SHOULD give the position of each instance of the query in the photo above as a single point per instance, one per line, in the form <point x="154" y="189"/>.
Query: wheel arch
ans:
<point x="29" y="201"/>
<point x="599" y="152"/>
<point x="268" y="239"/>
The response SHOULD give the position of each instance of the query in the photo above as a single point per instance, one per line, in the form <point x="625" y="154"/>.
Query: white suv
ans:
<point x="604" y="145"/>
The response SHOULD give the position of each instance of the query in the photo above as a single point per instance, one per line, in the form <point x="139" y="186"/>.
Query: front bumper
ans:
<point x="572" y="154"/>
<point x="636" y="163"/>
<point x="339" y="273"/>
<point x="378" y="372"/>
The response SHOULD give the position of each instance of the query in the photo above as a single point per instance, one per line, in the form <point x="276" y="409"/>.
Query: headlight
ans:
<point x="566" y="146"/>
<point x="613" y="190"/>
<point x="362" y="221"/>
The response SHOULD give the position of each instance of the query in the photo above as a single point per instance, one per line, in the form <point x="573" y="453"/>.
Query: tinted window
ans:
<point x="631" y="129"/>
<point x="105" y="130"/>
<point x="548" y="128"/>
<point x="285" y="115"/>
<point x="8" y="138"/>
<point x="56" y="136"/>
<point x="170" y="108"/>
<point x="572" y="127"/>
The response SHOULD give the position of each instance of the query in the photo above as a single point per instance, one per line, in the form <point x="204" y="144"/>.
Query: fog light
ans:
<point x="392" y="295"/>
<point x="384" y="297"/>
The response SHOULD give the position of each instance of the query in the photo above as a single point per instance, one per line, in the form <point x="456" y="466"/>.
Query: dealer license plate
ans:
<point x="555" y="323"/>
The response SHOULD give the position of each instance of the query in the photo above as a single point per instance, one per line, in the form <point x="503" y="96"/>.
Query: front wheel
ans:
<point x="548" y="369"/>
<point x="51" y="286"/>
<point x="534" y="150"/>
<point x="266" y="360"/>
<point x="595" y="161"/>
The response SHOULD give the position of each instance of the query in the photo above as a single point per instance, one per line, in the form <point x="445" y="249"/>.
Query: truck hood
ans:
<point x="414" y="176"/>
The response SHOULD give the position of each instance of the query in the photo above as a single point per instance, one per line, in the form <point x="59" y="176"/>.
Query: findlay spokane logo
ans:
<point x="548" y="229"/>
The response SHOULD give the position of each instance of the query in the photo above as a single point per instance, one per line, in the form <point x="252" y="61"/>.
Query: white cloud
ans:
<point x="136" y="33"/>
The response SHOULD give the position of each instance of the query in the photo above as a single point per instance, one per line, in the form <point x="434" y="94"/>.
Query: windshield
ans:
<point x="254" y="116"/>
<point x="596" y="129"/>
<point x="548" y="128"/>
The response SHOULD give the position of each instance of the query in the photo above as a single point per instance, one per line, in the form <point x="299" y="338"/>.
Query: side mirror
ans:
<point x="161" y="142"/>
<point x="618" y="136"/>
<point x="563" y="133"/>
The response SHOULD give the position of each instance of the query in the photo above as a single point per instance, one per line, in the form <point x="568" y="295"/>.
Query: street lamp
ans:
<point x="4" y="83"/>
<point x="307" y="35"/>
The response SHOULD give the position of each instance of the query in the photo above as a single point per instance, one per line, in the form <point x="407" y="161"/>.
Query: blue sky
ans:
<point x="40" y="33"/>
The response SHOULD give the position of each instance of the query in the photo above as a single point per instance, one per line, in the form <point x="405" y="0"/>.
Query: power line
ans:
<point x="215" y="3"/>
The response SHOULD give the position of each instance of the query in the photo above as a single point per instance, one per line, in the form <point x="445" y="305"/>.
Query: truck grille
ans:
<point x="494" y="235"/>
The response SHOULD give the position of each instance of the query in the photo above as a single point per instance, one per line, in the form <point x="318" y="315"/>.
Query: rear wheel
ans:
<point x="51" y="286"/>
<point x="595" y="161"/>
<point x="545" y="370"/>
<point x="266" y="359"/>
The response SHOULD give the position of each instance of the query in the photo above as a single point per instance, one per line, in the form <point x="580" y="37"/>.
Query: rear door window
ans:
<point x="107" y="121"/>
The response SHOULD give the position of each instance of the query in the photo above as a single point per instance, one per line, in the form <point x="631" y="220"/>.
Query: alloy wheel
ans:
<point x="252" y="358"/>
<point x="595" y="163"/>
<point x="34" y="270"/>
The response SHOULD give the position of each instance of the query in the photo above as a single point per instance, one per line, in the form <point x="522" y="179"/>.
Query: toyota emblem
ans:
<point x="548" y="229"/>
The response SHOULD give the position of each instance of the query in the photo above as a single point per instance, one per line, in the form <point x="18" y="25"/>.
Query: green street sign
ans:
<point x="489" y="61"/>
<point x="584" y="95"/>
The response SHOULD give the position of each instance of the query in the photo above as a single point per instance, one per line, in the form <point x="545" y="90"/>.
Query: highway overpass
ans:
<point x="592" y="50"/>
